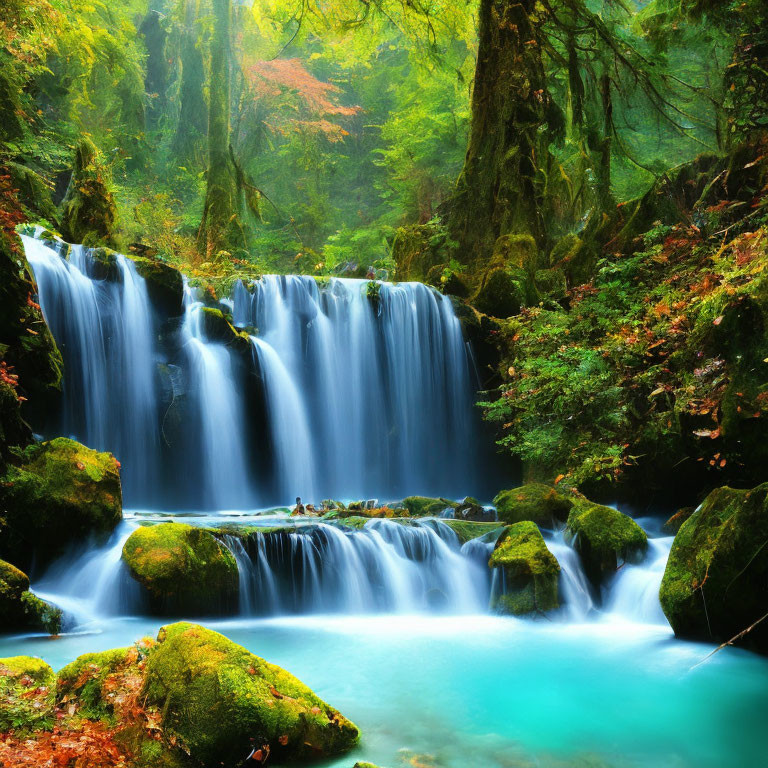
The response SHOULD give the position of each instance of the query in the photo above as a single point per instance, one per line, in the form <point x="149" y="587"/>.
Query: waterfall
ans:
<point x="383" y="379"/>
<point x="104" y="330"/>
<point x="384" y="567"/>
<point x="220" y="413"/>
<point x="354" y="389"/>
<point x="634" y="593"/>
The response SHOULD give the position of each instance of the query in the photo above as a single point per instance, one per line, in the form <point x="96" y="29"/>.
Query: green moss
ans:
<point x="530" y="571"/>
<point x="20" y="608"/>
<point x="672" y="526"/>
<point x="88" y="211"/>
<point x="425" y="506"/>
<point x="604" y="538"/>
<point x="467" y="530"/>
<point x="216" y="697"/>
<point x="550" y="283"/>
<point x="537" y="502"/>
<point x="517" y="250"/>
<point x="714" y="582"/>
<point x="184" y="569"/>
<point x="417" y="249"/>
<point x="60" y="491"/>
<point x="502" y="293"/>
<point x="165" y="285"/>
<point x="27" y="695"/>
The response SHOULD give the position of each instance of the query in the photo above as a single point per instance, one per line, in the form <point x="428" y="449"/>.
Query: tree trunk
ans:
<point x="499" y="190"/>
<point x="192" y="126"/>
<point x="220" y="228"/>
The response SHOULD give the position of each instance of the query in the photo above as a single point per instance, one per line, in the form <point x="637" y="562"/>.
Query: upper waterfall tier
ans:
<point x="343" y="388"/>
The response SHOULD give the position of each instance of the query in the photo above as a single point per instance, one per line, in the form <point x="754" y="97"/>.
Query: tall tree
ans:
<point x="220" y="227"/>
<point x="497" y="192"/>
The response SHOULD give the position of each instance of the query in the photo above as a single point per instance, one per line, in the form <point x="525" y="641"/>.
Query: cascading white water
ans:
<point x="354" y="389"/>
<point x="104" y="331"/>
<point x="573" y="585"/>
<point x="220" y="412"/>
<point x="634" y="593"/>
<point x="385" y="567"/>
<point x="383" y="378"/>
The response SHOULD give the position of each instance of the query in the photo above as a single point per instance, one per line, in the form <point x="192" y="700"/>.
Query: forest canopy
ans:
<point x="346" y="119"/>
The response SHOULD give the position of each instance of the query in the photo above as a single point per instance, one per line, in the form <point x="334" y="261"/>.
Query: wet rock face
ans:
<point x="219" y="702"/>
<point x="183" y="569"/>
<point x="604" y="538"/>
<point x="716" y="581"/>
<point x="530" y="571"/>
<point x="58" y="492"/>
<point x="165" y="285"/>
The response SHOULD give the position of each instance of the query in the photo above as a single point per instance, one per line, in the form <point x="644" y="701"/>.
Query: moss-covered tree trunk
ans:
<point x="498" y="192"/>
<point x="192" y="127"/>
<point x="220" y="228"/>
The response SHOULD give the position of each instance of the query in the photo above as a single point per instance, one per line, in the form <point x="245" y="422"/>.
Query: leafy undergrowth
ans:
<point x="660" y="361"/>
<point x="89" y="745"/>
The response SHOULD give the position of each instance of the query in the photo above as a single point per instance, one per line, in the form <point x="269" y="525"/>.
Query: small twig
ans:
<point x="731" y="641"/>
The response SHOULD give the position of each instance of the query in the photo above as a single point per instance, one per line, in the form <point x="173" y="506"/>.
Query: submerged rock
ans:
<point x="218" y="701"/>
<point x="716" y="581"/>
<point x="27" y="695"/>
<point x="536" y="502"/>
<point x="58" y="492"/>
<point x="184" y="569"/>
<point x="604" y="538"/>
<point x="530" y="571"/>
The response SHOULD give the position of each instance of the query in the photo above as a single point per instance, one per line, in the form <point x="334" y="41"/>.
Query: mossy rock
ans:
<point x="574" y="258"/>
<point x="673" y="525"/>
<point x="517" y="250"/>
<point x="530" y="571"/>
<point x="217" y="700"/>
<point x="89" y="211"/>
<point x="217" y="328"/>
<point x="184" y="569"/>
<point x="604" y="538"/>
<point x="59" y="491"/>
<point x="467" y="530"/>
<point x="536" y="502"/>
<point x="418" y="249"/>
<point x="503" y="293"/>
<point x="426" y="506"/>
<point x="550" y="283"/>
<point x="20" y="608"/>
<point x="27" y="695"/>
<point x="92" y="681"/>
<point x="165" y="285"/>
<point x="716" y="581"/>
<point x="103" y="264"/>
<point x="469" y="508"/>
<point x="365" y="765"/>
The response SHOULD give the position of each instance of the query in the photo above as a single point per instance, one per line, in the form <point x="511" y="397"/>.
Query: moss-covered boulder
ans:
<point x="94" y="682"/>
<point x="673" y="525"/>
<point x="218" y="700"/>
<point x="604" y="538"/>
<point x="89" y="211"/>
<point x="466" y="530"/>
<point x="56" y="493"/>
<point x="551" y="284"/>
<point x="536" y="502"/>
<point x="27" y="694"/>
<point x="20" y="608"/>
<point x="716" y="581"/>
<point x="183" y="569"/>
<point x="426" y="506"/>
<point x="502" y="293"/>
<point x="469" y="508"/>
<point x="165" y="285"/>
<point x="530" y="571"/>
